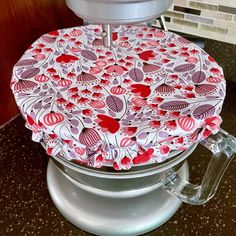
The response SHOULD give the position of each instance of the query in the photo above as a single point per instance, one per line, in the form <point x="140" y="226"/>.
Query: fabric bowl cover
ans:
<point x="151" y="93"/>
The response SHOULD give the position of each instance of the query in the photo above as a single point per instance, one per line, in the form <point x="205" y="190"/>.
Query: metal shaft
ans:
<point x="107" y="35"/>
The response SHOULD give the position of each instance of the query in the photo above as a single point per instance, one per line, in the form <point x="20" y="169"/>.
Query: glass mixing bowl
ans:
<point x="146" y="178"/>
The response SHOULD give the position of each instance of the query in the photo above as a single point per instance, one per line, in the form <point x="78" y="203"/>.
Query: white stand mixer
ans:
<point x="136" y="202"/>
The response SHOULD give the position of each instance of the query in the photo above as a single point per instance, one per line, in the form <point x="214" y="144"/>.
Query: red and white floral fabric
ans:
<point x="151" y="93"/>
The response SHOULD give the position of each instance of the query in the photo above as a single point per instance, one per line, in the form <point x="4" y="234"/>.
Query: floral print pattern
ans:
<point x="151" y="93"/>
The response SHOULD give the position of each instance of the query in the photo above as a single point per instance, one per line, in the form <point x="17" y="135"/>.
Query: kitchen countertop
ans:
<point x="27" y="209"/>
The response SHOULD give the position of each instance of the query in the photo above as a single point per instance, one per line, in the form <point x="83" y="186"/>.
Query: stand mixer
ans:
<point x="124" y="201"/>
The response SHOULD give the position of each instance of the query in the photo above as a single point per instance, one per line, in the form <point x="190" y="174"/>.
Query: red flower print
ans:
<point x="111" y="60"/>
<point x="70" y="105"/>
<point x="124" y="38"/>
<point x="130" y="130"/>
<point x="86" y="92"/>
<point x="82" y="100"/>
<point x="116" y="166"/>
<point x="101" y="63"/>
<point x="174" y="77"/>
<point x="124" y="44"/>
<point x="164" y="149"/>
<point x="87" y="112"/>
<point x="171" y="124"/>
<point x="49" y="150"/>
<point x="136" y="108"/>
<point x="77" y="43"/>
<point x="155" y="124"/>
<point x="52" y="136"/>
<point x="189" y="88"/>
<point x="127" y="81"/>
<point x="75" y="96"/>
<point x="137" y="50"/>
<point x="41" y="45"/>
<point x="71" y="75"/>
<point x="174" y="52"/>
<point x="129" y="64"/>
<point x="75" y="50"/>
<point x="101" y="57"/>
<point x="184" y="49"/>
<point x="162" y="50"/>
<point x="95" y="70"/>
<point x="99" y="51"/>
<point x="158" y="99"/>
<point x="143" y="45"/>
<point x="96" y="30"/>
<point x="153" y="43"/>
<point x="105" y="82"/>
<point x="66" y="35"/>
<point x="148" y="80"/>
<point x="141" y="90"/>
<point x="97" y="95"/>
<point x="184" y="54"/>
<point x="178" y="86"/>
<point x="121" y="61"/>
<point x="56" y="77"/>
<point x="53" y="118"/>
<point x="189" y="95"/>
<point x="114" y="36"/>
<point x="171" y="45"/>
<point x="125" y="161"/>
<point x="97" y="88"/>
<point x="144" y="156"/>
<point x="73" y="90"/>
<point x="106" y="76"/>
<point x="129" y="58"/>
<point x="61" y="41"/>
<point x="61" y="101"/>
<point x="174" y="114"/>
<point x="51" y="71"/>
<point x="109" y="54"/>
<point x="116" y="69"/>
<point x="161" y="112"/>
<point x="147" y="55"/>
<point x="139" y="35"/>
<point x="72" y="39"/>
<point x="36" y="50"/>
<point x="215" y="70"/>
<point x="149" y="35"/>
<point x="206" y="133"/>
<point x="54" y="33"/>
<point x="108" y="123"/>
<point x="212" y="123"/>
<point x="194" y="51"/>
<point x="99" y="158"/>
<point x="179" y="140"/>
<point x="63" y="59"/>
<point x="192" y="60"/>
<point x="211" y="59"/>
<point x="165" y="60"/>
<point x="153" y="106"/>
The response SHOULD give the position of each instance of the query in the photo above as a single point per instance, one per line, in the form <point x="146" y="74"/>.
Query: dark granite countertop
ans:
<point x="27" y="209"/>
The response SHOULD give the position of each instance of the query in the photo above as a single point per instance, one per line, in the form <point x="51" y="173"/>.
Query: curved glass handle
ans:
<point x="223" y="147"/>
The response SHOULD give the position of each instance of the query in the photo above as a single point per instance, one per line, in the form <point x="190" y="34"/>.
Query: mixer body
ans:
<point x="118" y="11"/>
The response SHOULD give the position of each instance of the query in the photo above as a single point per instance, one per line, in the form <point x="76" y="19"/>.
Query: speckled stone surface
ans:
<point x="27" y="209"/>
<point x="225" y="55"/>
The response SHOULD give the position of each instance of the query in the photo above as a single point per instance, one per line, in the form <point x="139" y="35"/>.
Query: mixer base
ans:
<point x="108" y="216"/>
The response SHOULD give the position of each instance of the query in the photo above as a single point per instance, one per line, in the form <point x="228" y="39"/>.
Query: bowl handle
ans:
<point x="223" y="147"/>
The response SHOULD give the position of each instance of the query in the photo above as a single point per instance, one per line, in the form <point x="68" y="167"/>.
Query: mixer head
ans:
<point x="110" y="12"/>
